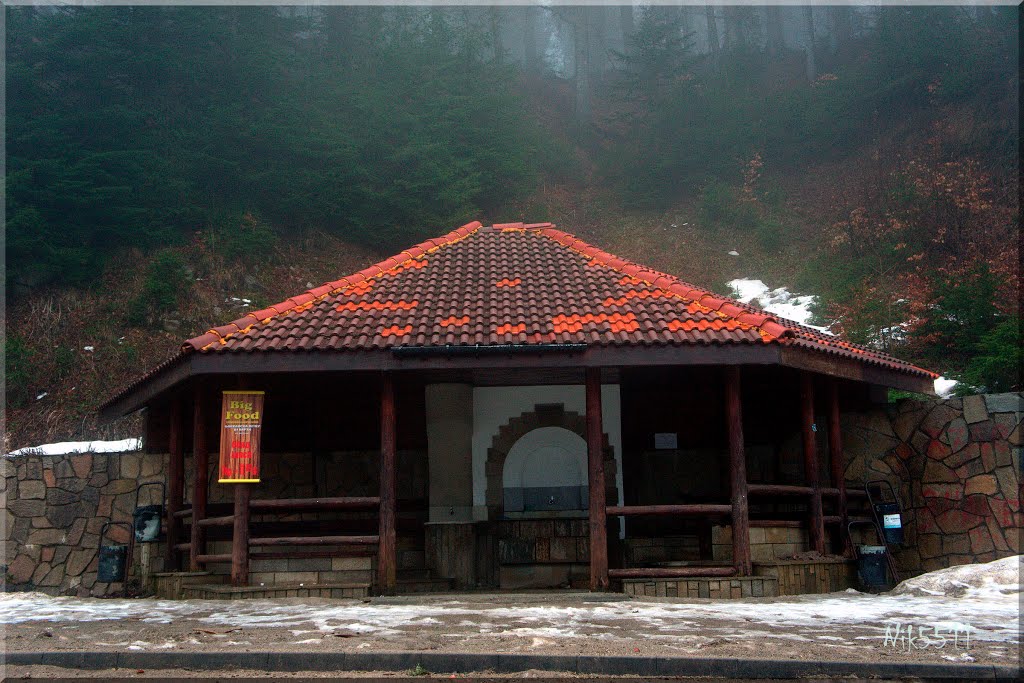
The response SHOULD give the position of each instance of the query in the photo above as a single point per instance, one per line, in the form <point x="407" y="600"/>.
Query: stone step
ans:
<point x="420" y="581"/>
<point x="316" y="590"/>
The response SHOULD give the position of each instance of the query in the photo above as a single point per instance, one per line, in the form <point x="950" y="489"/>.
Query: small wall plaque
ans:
<point x="666" y="441"/>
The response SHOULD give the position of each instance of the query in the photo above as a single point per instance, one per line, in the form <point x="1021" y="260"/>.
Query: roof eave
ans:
<point x="187" y="365"/>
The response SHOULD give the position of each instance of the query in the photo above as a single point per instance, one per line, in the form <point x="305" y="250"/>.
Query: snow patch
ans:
<point x="780" y="301"/>
<point x="944" y="387"/>
<point x="68" y="447"/>
<point x="989" y="580"/>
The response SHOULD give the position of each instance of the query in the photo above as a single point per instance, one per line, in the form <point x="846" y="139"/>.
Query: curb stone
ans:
<point x="455" y="662"/>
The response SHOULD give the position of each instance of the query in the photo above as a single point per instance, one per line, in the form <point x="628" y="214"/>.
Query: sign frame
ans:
<point x="241" y="426"/>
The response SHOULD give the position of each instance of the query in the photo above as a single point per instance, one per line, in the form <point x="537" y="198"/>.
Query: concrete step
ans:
<point x="309" y="590"/>
<point x="420" y="581"/>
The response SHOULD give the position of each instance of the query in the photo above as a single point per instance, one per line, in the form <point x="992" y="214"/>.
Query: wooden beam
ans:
<point x="240" y="536"/>
<point x="737" y="473"/>
<point x="838" y="461"/>
<point x="292" y="504"/>
<point x="670" y="572"/>
<point x="386" y="554"/>
<point x="317" y="540"/>
<point x="817" y="531"/>
<point x="698" y="510"/>
<point x="595" y="471"/>
<point x="200" y="485"/>
<point x="228" y="520"/>
<point x="778" y="490"/>
<point x="210" y="559"/>
<point x="175" y="483"/>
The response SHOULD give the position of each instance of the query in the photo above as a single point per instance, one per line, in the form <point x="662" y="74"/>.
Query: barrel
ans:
<point x="871" y="565"/>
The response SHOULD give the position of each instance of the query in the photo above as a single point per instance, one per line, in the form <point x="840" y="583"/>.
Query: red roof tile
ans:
<point x="518" y="284"/>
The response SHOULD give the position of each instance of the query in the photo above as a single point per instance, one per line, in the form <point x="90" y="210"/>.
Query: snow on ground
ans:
<point x="992" y="579"/>
<point x="778" y="301"/>
<point x="66" y="447"/>
<point x="984" y="602"/>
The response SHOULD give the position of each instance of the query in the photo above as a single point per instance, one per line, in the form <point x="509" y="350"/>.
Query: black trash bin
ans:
<point x="892" y="523"/>
<point x="871" y="565"/>
<point x="113" y="559"/>
<point x="147" y="518"/>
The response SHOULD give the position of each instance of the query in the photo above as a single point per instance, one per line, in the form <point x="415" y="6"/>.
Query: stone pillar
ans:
<point x="450" y="451"/>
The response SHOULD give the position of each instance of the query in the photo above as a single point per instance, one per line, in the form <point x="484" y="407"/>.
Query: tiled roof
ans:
<point x="512" y="284"/>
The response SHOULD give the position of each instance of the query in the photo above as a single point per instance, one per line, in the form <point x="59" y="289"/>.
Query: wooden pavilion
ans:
<point x="510" y="406"/>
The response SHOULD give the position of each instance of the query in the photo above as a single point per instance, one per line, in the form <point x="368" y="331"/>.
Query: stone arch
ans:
<point x="542" y="415"/>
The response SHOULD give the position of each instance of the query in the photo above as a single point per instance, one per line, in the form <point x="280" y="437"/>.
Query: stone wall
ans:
<point x="55" y="508"/>
<point x="956" y="466"/>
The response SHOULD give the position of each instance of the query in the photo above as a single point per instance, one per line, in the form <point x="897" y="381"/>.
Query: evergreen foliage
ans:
<point x="135" y="127"/>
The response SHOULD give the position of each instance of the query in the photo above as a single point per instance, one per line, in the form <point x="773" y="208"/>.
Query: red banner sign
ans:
<point x="241" y="423"/>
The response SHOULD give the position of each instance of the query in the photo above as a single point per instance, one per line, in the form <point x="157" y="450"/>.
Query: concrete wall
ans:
<point x="956" y="466"/>
<point x="493" y="407"/>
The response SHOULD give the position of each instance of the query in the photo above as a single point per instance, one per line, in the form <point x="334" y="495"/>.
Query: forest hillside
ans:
<point x="171" y="167"/>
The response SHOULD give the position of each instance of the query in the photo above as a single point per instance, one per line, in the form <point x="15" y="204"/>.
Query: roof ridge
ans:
<point x="728" y="307"/>
<point x="223" y="332"/>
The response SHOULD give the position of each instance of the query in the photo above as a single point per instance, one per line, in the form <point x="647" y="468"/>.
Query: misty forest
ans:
<point x="170" y="167"/>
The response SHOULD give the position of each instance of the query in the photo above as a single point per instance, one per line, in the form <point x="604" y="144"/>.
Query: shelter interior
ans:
<point x="529" y="478"/>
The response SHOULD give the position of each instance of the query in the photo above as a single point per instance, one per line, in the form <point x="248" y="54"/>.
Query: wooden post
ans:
<point x="817" y="521"/>
<point x="240" y="536"/>
<point x="386" y="559"/>
<point x="200" y="487"/>
<point x="175" y="483"/>
<point x="835" y="451"/>
<point x="595" y="469"/>
<point x="737" y="473"/>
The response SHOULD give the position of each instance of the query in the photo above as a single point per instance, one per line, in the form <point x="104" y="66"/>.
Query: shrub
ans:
<point x="165" y="282"/>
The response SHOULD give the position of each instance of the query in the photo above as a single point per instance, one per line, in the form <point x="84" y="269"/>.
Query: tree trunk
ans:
<point x="776" y="41"/>
<point x="709" y="14"/>
<point x="495" y="19"/>
<point x="626" y="22"/>
<point x="530" y="58"/>
<point x="581" y="41"/>
<point x="812" y="67"/>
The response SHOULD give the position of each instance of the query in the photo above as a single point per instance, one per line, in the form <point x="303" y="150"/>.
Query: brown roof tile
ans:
<point x="512" y="283"/>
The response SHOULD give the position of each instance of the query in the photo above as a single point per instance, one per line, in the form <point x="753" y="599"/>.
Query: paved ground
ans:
<point x="838" y="627"/>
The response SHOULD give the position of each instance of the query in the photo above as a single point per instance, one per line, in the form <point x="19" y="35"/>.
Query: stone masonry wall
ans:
<point x="955" y="464"/>
<point x="55" y="508"/>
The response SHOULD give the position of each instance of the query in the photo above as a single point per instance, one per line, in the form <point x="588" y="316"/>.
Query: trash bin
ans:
<point x="147" y="518"/>
<point x="892" y="525"/>
<point x="871" y="565"/>
<point x="113" y="559"/>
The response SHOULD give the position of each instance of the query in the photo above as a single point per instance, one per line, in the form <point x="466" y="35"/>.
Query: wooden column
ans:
<point x="817" y="523"/>
<point x="240" y="536"/>
<point x="835" y="450"/>
<point x="386" y="558"/>
<point x="175" y="483"/>
<point x="595" y="469"/>
<point x="200" y="484"/>
<point x="737" y="473"/>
